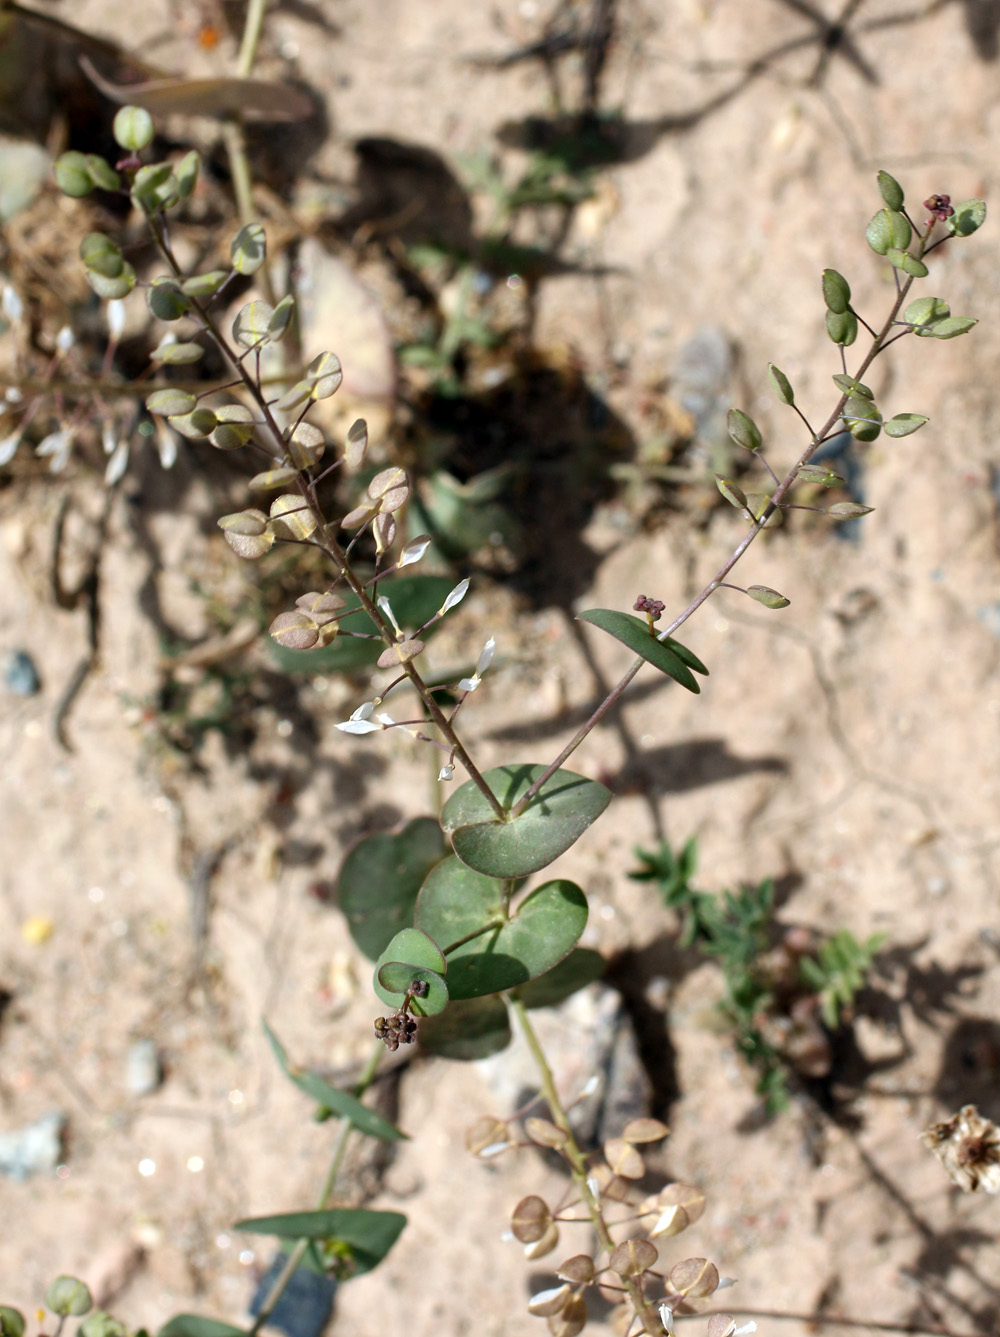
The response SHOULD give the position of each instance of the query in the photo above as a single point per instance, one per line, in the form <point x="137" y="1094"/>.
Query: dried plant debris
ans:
<point x="968" y="1146"/>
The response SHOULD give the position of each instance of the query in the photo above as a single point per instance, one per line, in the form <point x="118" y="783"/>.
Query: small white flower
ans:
<point x="455" y="597"/>
<point x="482" y="664"/>
<point x="385" y="719"/>
<point x="13" y="395"/>
<point x="117" y="464"/>
<point x="667" y="1319"/>
<point x="166" y="444"/>
<point x="13" y="307"/>
<point x="116" y="318"/>
<point x="65" y="339"/>
<point x="360" y="721"/>
<point x="57" y="445"/>
<point x="414" y="550"/>
<point x="448" y="773"/>
<point x="386" y="608"/>
<point x="750" y="1326"/>
<point x="8" y="448"/>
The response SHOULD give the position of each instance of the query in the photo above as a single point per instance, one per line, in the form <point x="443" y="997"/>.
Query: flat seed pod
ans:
<point x="721" y="1325"/>
<point x="487" y="1137"/>
<point x="572" y="1320"/>
<point x="248" y="249"/>
<point x="694" y="1278"/>
<point x="305" y="445"/>
<point x="167" y="300"/>
<point x="579" y="1269"/>
<point x="551" y="1301"/>
<point x="530" y="1219"/>
<point x="246" y="533"/>
<point x="645" y="1130"/>
<point x="543" y="1246"/>
<point x="294" y="630"/>
<point x="356" y="444"/>
<point x="623" y="1158"/>
<point x="281" y="318"/>
<point x="295" y="397"/>
<point x="291" y="517"/>
<point x="324" y="375"/>
<point x="401" y="653"/>
<point x="175" y="354"/>
<point x="271" y="478"/>
<point x="633" y="1257"/>
<point x="250" y="327"/>
<point x="545" y="1133"/>
<point x="384" y="531"/>
<point x="205" y="285"/>
<point x="113" y="290"/>
<point x="768" y="597"/>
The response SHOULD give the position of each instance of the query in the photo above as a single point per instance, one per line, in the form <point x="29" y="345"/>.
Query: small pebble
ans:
<point x="143" y="1070"/>
<point x="34" y="1149"/>
<point x="20" y="675"/>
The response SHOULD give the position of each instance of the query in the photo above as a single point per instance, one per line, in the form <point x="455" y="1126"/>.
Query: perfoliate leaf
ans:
<point x="194" y="1325"/>
<point x="890" y="190"/>
<point x="470" y="1028"/>
<point x="555" y="819"/>
<point x="904" y="423"/>
<point x="780" y="384"/>
<point x="380" y="878"/>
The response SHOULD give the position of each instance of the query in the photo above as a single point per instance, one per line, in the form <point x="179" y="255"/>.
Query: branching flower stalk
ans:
<point x="477" y="939"/>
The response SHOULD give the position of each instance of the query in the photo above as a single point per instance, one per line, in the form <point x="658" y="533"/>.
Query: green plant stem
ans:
<point x="578" y="1167"/>
<point x="253" y="26"/>
<point x="326" y="1193"/>
<point x="877" y="346"/>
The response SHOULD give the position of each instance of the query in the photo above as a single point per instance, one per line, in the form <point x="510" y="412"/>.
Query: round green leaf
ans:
<point x="471" y="1028"/>
<point x="68" y="1297"/>
<point x="780" y="384"/>
<point x="582" y="967"/>
<point x="417" y="951"/>
<point x="380" y="878"/>
<point x="634" y="632"/>
<point x="194" y="1325"/>
<point x="904" y="423"/>
<point x="11" y="1322"/>
<point x="501" y="950"/>
<point x="555" y="819"/>
<point x="890" y="190"/>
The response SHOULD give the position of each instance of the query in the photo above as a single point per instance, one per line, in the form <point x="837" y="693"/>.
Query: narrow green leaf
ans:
<point x="369" y="1234"/>
<point x="634" y="632"/>
<point x="344" y="1105"/>
<point x="194" y="1325"/>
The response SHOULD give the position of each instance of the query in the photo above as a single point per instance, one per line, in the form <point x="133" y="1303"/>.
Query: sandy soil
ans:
<point x="847" y="746"/>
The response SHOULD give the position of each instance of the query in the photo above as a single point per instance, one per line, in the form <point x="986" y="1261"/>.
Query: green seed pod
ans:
<point x="205" y="285"/>
<point x="733" y="494"/>
<point x="73" y="175"/>
<point x="888" y="228"/>
<point x="848" y="510"/>
<point x="890" y="190"/>
<point x="780" y="384"/>
<point x="248" y="249"/>
<point x="166" y="300"/>
<point x="133" y="128"/>
<point x="768" y="597"/>
<point x="843" y="328"/>
<point x="169" y="403"/>
<point x="187" y="174"/>
<point x="743" y="430"/>
<point x="104" y="175"/>
<point x="836" y="291"/>
<point x="952" y="327"/>
<point x="100" y="254"/>
<point x="851" y="386"/>
<point x="862" y="419"/>
<point x="68" y="1297"/>
<point x="903" y="424"/>
<point x="113" y="289"/>
<point x="196" y="424"/>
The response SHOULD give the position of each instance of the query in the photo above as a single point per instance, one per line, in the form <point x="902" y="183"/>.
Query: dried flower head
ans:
<point x="968" y="1146"/>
